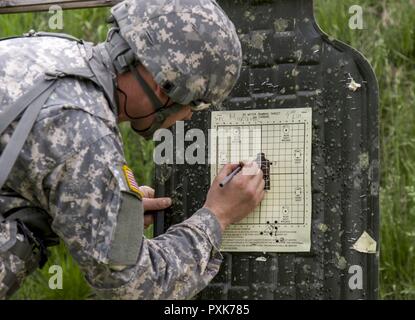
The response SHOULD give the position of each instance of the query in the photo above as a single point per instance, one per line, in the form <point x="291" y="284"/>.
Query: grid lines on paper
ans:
<point x="284" y="146"/>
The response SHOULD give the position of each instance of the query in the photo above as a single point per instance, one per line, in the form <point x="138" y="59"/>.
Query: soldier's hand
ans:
<point x="238" y="197"/>
<point x="150" y="203"/>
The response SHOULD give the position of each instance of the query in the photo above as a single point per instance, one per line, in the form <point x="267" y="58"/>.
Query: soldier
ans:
<point x="63" y="172"/>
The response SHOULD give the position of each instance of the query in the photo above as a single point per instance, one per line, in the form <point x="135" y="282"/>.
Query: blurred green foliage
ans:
<point x="388" y="41"/>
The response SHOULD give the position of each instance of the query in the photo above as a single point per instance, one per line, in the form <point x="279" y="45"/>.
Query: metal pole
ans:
<point x="20" y="6"/>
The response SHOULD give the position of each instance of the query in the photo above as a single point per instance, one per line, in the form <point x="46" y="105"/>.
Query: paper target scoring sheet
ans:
<point x="282" y="221"/>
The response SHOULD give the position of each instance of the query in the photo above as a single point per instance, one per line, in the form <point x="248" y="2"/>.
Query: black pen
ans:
<point x="231" y="175"/>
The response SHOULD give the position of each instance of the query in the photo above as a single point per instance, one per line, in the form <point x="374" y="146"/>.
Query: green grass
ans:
<point x="74" y="287"/>
<point x="88" y="24"/>
<point x="388" y="41"/>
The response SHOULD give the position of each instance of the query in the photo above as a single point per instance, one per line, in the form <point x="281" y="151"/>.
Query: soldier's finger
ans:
<point x="148" y="220"/>
<point x="260" y="183"/>
<point x="156" y="203"/>
<point x="261" y="196"/>
<point x="258" y="177"/>
<point x="227" y="169"/>
<point x="148" y="191"/>
<point x="250" y="169"/>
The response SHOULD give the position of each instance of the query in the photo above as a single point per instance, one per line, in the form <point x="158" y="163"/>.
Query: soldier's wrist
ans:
<point x="219" y="217"/>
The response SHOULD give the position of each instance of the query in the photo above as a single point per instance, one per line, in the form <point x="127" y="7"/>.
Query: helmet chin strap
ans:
<point x="124" y="60"/>
<point x="160" y="116"/>
<point x="160" y="113"/>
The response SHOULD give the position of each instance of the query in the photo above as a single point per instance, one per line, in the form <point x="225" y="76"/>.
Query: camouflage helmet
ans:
<point x="189" y="46"/>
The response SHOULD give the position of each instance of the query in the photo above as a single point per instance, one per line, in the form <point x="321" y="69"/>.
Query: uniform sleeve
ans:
<point x="85" y="198"/>
<point x="179" y="263"/>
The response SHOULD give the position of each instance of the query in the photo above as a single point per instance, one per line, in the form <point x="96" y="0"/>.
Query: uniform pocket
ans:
<point x="127" y="234"/>
<point x="126" y="243"/>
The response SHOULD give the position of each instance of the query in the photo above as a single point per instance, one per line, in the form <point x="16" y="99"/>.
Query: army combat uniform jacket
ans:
<point x="71" y="166"/>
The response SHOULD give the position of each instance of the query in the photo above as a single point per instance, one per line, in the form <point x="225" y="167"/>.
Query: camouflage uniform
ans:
<point x="70" y="166"/>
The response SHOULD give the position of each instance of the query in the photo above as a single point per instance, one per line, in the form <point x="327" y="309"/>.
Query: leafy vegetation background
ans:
<point x="388" y="41"/>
